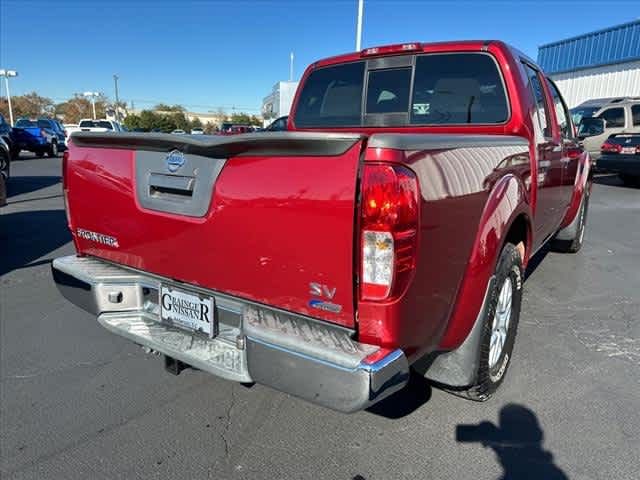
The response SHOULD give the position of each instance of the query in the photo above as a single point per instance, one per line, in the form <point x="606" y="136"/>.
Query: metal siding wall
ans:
<point x="601" y="82"/>
<point x="614" y="45"/>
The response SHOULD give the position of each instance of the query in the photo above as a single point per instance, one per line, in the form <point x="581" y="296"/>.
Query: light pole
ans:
<point x="93" y="96"/>
<point x="6" y="74"/>
<point x="291" y="67"/>
<point x="115" y="80"/>
<point x="359" y="25"/>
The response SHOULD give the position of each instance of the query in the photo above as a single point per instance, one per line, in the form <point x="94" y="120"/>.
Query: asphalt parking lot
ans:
<point x="77" y="402"/>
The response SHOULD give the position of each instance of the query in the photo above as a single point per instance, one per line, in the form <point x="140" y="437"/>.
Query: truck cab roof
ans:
<point x="420" y="47"/>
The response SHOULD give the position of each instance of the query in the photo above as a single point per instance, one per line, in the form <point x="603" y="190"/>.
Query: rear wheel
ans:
<point x="53" y="150"/>
<point x="500" y="324"/>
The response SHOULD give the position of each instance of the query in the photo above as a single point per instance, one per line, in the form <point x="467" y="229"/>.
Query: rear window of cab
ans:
<point x="436" y="89"/>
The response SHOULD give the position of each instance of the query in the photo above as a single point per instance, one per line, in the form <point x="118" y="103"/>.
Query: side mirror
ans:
<point x="590" y="127"/>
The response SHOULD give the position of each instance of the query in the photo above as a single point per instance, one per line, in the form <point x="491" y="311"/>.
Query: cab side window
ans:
<point x="614" y="118"/>
<point x="542" y="112"/>
<point x="562" y="113"/>
<point x="635" y="114"/>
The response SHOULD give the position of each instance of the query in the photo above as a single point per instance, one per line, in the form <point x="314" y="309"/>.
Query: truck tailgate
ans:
<point x="259" y="216"/>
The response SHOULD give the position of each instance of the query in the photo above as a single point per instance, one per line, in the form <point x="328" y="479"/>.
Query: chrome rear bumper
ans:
<point x="298" y="355"/>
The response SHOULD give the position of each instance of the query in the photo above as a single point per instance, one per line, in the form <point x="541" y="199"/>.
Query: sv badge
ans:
<point x="320" y="290"/>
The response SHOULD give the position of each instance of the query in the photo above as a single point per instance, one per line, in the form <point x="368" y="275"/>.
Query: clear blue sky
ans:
<point x="205" y="54"/>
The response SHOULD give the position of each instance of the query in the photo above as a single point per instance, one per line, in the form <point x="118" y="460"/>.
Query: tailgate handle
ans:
<point x="170" y="185"/>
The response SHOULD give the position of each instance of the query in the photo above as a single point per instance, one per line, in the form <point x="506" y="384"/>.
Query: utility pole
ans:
<point x="359" y="25"/>
<point x="115" y="80"/>
<point x="6" y="74"/>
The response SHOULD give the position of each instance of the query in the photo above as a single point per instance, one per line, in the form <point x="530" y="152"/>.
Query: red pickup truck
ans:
<point x="389" y="228"/>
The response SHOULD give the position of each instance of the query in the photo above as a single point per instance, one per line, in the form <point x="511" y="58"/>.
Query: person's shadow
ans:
<point x="517" y="441"/>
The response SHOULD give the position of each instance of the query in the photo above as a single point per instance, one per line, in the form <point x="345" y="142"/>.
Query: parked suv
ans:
<point x="620" y="115"/>
<point x="6" y="135"/>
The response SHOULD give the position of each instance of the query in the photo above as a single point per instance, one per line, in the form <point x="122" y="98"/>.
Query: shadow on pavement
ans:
<point x="27" y="236"/>
<point x="611" y="180"/>
<point x="406" y="401"/>
<point x="536" y="260"/>
<point x="517" y="442"/>
<point x="20" y="185"/>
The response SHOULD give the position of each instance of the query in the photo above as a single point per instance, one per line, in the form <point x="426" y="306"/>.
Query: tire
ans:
<point x="5" y="165"/>
<point x="53" y="150"/>
<point x="571" y="238"/>
<point x="499" y="327"/>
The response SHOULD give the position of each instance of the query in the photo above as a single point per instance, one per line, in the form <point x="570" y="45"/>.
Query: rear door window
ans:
<point x="458" y="89"/>
<point x="332" y="97"/>
<point x="542" y="110"/>
<point x="614" y="117"/>
<point x="562" y="113"/>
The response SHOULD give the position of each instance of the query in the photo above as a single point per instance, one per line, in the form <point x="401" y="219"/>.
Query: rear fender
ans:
<point x="508" y="200"/>
<point x="458" y="367"/>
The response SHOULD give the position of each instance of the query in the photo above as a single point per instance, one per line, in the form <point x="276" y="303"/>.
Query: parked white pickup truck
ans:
<point x="88" y="125"/>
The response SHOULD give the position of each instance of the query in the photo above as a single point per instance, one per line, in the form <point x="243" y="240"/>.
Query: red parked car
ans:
<point x="232" y="129"/>
<point x="389" y="228"/>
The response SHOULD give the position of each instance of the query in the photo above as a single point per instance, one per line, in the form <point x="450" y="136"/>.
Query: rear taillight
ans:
<point x="611" y="147"/>
<point x="388" y="230"/>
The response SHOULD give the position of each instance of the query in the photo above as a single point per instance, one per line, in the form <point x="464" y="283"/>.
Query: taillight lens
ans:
<point x="388" y="230"/>
<point x="611" y="147"/>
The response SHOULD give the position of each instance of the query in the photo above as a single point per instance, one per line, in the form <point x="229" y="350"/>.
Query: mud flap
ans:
<point x="569" y="232"/>
<point x="459" y="367"/>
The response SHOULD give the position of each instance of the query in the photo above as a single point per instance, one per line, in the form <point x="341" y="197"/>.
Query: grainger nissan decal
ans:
<point x="97" y="237"/>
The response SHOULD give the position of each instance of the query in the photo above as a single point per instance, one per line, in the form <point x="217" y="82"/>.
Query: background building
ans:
<point x="600" y="64"/>
<point x="278" y="102"/>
